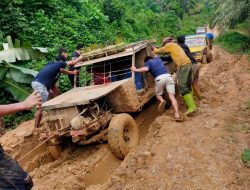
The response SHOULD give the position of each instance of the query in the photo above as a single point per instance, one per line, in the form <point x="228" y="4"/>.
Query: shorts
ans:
<point x="41" y="89"/>
<point x="163" y="82"/>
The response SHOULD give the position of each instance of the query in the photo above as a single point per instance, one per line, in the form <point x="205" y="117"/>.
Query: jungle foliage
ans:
<point x="65" y="23"/>
<point x="230" y="13"/>
<point x="57" y="23"/>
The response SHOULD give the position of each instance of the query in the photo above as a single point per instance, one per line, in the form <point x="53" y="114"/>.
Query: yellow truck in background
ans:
<point x="198" y="45"/>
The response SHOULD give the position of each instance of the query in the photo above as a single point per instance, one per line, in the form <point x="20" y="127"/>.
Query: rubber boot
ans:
<point x="188" y="98"/>
<point x="197" y="91"/>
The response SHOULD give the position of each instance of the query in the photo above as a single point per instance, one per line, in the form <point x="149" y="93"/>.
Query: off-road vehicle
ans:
<point x="198" y="44"/>
<point x="99" y="112"/>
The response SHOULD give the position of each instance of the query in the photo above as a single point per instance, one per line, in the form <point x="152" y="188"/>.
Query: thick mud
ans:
<point x="203" y="152"/>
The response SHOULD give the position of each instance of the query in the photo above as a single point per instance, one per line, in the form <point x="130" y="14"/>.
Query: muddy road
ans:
<point x="203" y="152"/>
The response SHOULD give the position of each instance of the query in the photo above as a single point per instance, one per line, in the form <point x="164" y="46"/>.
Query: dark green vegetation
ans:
<point x="245" y="156"/>
<point x="65" y="23"/>
<point x="230" y="13"/>
<point x="232" y="17"/>
<point x="235" y="42"/>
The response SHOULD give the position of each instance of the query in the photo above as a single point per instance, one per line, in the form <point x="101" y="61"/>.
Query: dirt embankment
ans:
<point x="200" y="153"/>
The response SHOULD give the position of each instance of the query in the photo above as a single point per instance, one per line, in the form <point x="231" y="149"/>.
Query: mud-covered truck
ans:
<point x="100" y="111"/>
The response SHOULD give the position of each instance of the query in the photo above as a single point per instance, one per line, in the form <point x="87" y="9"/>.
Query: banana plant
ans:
<point x="18" y="51"/>
<point x="13" y="79"/>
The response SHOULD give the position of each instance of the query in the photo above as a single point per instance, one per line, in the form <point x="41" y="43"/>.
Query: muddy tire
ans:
<point x="123" y="135"/>
<point x="209" y="57"/>
<point x="55" y="151"/>
<point x="204" y="59"/>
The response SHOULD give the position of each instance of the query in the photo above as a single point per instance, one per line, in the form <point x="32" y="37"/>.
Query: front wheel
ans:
<point x="123" y="134"/>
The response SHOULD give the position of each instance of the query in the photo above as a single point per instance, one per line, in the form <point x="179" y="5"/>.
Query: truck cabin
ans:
<point x="115" y="67"/>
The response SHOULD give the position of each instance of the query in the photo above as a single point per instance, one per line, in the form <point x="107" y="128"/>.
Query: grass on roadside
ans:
<point x="235" y="42"/>
<point x="245" y="157"/>
<point x="248" y="104"/>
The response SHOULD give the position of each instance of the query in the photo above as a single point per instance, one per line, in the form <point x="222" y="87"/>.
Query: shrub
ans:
<point x="235" y="42"/>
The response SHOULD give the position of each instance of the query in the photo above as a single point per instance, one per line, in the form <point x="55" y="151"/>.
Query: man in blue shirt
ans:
<point x="210" y="37"/>
<point x="45" y="80"/>
<point x="163" y="80"/>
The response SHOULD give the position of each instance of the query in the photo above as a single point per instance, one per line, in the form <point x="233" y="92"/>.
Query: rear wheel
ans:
<point x="55" y="151"/>
<point x="123" y="134"/>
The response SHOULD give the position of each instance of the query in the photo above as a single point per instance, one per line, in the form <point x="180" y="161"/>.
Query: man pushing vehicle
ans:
<point x="184" y="71"/>
<point x="162" y="80"/>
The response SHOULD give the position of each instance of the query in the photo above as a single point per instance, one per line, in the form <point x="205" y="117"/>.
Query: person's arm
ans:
<point x="67" y="72"/>
<point x="161" y="50"/>
<point x="31" y="101"/>
<point x="140" y="70"/>
<point x="73" y="62"/>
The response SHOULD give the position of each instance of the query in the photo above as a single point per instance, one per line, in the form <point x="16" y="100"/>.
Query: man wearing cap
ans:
<point x="195" y="67"/>
<point x="184" y="71"/>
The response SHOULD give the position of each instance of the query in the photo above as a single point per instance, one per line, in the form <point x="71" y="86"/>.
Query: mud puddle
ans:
<point x="146" y="117"/>
<point x="107" y="164"/>
<point x="102" y="169"/>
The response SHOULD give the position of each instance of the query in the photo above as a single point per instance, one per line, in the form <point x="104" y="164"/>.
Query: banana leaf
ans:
<point x="17" y="91"/>
<point x="14" y="78"/>
<point x="14" y="54"/>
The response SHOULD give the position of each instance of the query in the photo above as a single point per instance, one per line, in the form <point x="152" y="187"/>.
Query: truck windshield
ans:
<point x="194" y="42"/>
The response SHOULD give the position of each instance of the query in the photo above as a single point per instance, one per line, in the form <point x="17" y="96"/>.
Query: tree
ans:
<point x="231" y="12"/>
<point x="179" y="7"/>
<point x="114" y="9"/>
<point x="14" y="79"/>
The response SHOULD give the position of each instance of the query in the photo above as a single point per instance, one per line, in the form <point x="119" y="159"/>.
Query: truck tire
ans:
<point x="55" y="151"/>
<point x="204" y="59"/>
<point x="209" y="57"/>
<point x="123" y="135"/>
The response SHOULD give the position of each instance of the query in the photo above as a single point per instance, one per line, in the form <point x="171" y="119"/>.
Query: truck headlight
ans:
<point x="198" y="53"/>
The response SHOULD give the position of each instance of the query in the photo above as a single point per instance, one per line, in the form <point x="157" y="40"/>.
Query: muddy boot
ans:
<point x="197" y="92"/>
<point x="188" y="98"/>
